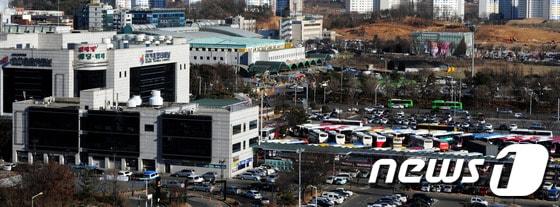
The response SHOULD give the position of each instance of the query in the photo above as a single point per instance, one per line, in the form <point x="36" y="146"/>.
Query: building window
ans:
<point x="214" y="58"/>
<point x="244" y="147"/>
<point x="253" y="141"/>
<point x="196" y="49"/>
<point x="207" y="57"/>
<point x="195" y="57"/>
<point x="221" y="58"/>
<point x="149" y="127"/>
<point x="120" y="74"/>
<point x="201" y="58"/>
<point x="236" y="147"/>
<point x="125" y="74"/>
<point x="253" y="124"/>
<point x="236" y="129"/>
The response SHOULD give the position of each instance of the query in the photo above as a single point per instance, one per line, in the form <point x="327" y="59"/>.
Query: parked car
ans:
<point x="271" y="178"/>
<point x="204" y="187"/>
<point x="8" y="166"/>
<point x="337" y="199"/>
<point x="174" y="184"/>
<point x="183" y="173"/>
<point x="322" y="202"/>
<point x="402" y="197"/>
<point x="548" y="185"/>
<point x="447" y="188"/>
<point x="350" y="193"/>
<point x="210" y="176"/>
<point x="519" y="115"/>
<point x="479" y="200"/>
<point x="425" y="187"/>
<point x="436" y="188"/>
<point x="125" y="173"/>
<point x="195" y="179"/>
<point x="233" y="190"/>
<point x="253" y="194"/>
<point x="149" y="175"/>
<point x="249" y="176"/>
<point x="424" y="198"/>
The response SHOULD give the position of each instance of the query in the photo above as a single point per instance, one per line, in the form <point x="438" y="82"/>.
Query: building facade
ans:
<point x="449" y="9"/>
<point x="241" y="23"/>
<point x="509" y="9"/>
<point x="554" y="10"/>
<point x="64" y="64"/>
<point x="488" y="8"/>
<point x="213" y="135"/>
<point x="157" y="3"/>
<point x="100" y="17"/>
<point x="441" y="44"/>
<point x="299" y="29"/>
<point x="141" y="4"/>
<point x="359" y="6"/>
<point x="159" y="17"/>
<point x="123" y="4"/>
<point x="285" y="8"/>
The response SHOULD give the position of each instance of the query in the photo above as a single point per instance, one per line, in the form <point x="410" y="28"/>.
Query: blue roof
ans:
<point x="234" y="42"/>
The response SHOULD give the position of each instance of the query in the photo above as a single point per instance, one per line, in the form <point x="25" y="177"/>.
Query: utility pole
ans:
<point x="531" y="103"/>
<point x="558" y="111"/>
<point x="199" y="86"/>
<point x="299" y="151"/>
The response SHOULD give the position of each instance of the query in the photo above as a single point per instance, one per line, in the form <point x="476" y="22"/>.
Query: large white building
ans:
<point x="258" y="3"/>
<point x="449" y="9"/>
<point x="487" y="8"/>
<point x="554" y="10"/>
<point x="359" y="6"/>
<point x="298" y="29"/>
<point x="63" y="64"/>
<point x="206" y="135"/>
<point x="380" y="5"/>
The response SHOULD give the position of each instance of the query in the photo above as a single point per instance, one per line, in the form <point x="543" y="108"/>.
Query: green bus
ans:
<point x="400" y="103"/>
<point x="445" y="105"/>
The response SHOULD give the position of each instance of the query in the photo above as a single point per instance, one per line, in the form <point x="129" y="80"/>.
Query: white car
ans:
<point x="345" y="191"/>
<point x="512" y="127"/>
<point x="548" y="185"/>
<point x="425" y="188"/>
<point x="400" y="113"/>
<point x="253" y="194"/>
<point x="398" y="106"/>
<point x="448" y="188"/>
<point x="195" y="179"/>
<point x="125" y="173"/>
<point x="402" y="197"/>
<point x="436" y="188"/>
<point x="384" y="121"/>
<point x="479" y="200"/>
<point x="518" y="115"/>
<point x="337" y="199"/>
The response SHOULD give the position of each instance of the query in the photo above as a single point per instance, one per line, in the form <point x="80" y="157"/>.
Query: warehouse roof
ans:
<point x="233" y="42"/>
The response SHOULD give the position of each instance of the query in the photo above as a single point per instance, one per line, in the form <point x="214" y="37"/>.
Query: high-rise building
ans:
<point x="141" y="4"/>
<point x="123" y="4"/>
<point x="509" y="9"/>
<point x="288" y="7"/>
<point x="100" y="17"/>
<point x="157" y="3"/>
<point x="554" y="10"/>
<point x="360" y="6"/>
<point x="488" y="8"/>
<point x="449" y="9"/>
<point x="257" y="3"/>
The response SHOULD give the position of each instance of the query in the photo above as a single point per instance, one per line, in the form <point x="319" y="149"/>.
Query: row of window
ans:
<point x="236" y="129"/>
<point x="208" y="58"/>
<point x="121" y="74"/>
<point x="237" y="146"/>
<point x="210" y="49"/>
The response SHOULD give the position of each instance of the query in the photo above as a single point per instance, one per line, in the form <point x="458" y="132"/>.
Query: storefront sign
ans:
<point x="30" y="61"/>
<point x="91" y="53"/>
<point x="154" y="57"/>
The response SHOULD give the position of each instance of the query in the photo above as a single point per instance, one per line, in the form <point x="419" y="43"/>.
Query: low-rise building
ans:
<point x="172" y="17"/>
<point x="299" y="29"/>
<point x="207" y="135"/>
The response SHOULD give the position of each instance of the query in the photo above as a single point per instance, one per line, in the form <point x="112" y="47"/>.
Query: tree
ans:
<point x="461" y="49"/>
<point x="296" y="116"/>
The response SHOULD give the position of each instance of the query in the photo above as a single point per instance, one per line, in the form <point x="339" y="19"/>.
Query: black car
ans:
<point x="423" y="198"/>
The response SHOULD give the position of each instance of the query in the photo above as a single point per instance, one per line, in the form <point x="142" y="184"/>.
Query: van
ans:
<point x="332" y="196"/>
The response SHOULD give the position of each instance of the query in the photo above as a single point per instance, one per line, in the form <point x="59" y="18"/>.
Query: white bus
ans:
<point x="419" y="141"/>
<point x="363" y="138"/>
<point x="544" y="135"/>
<point x="267" y="133"/>
<point x="317" y="136"/>
<point x="342" y="122"/>
<point x="340" y="139"/>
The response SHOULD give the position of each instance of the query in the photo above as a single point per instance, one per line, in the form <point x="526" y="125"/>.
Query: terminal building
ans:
<point x="39" y="65"/>
<point x="206" y="135"/>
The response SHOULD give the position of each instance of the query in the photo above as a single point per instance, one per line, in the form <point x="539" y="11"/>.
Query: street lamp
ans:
<point x="324" y="85"/>
<point x="314" y="188"/>
<point x="35" y="196"/>
<point x="472" y="27"/>
<point x="299" y="151"/>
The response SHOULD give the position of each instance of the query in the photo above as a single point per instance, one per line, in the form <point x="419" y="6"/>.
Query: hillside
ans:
<point x="507" y="35"/>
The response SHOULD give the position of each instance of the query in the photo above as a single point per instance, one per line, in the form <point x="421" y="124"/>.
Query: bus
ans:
<point x="446" y="105"/>
<point x="317" y="136"/>
<point x="342" y="122"/>
<point x="419" y="141"/>
<point x="436" y="127"/>
<point x="378" y="139"/>
<point x="544" y="135"/>
<point x="363" y="138"/>
<point x="340" y="139"/>
<point x="400" y="103"/>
